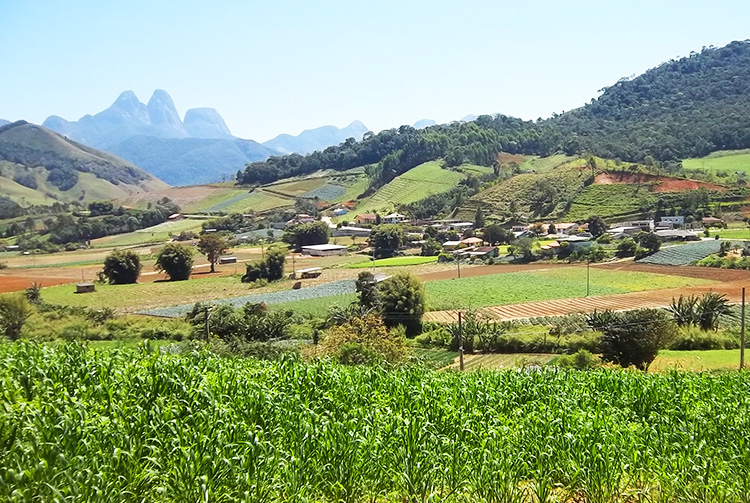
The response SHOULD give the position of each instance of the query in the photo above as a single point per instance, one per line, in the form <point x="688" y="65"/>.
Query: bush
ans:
<point x="176" y="260"/>
<point x="580" y="360"/>
<point x="122" y="267"/>
<point x="361" y="340"/>
<point x="14" y="311"/>
<point x="695" y="339"/>
<point x="635" y="337"/>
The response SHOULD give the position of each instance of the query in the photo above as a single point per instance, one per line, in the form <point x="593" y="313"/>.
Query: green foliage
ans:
<point x="430" y="248"/>
<point x="271" y="268"/>
<point x="300" y="235"/>
<point x="367" y="288"/>
<point x="14" y="311"/>
<point x="402" y="301"/>
<point x="212" y="245"/>
<point x="635" y="337"/>
<point x="362" y="340"/>
<point x="252" y="322"/>
<point x="122" y="267"/>
<point x="626" y="247"/>
<point x="386" y="240"/>
<point x="494" y="234"/>
<point x="176" y="260"/>
<point x="580" y="360"/>
<point x="597" y="225"/>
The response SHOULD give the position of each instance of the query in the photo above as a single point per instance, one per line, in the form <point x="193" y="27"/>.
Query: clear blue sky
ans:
<point x="283" y="66"/>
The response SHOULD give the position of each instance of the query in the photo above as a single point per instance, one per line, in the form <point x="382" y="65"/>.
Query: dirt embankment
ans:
<point x="660" y="183"/>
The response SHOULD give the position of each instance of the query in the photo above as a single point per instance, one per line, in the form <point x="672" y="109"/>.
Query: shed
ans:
<point x="227" y="260"/>
<point x="85" y="288"/>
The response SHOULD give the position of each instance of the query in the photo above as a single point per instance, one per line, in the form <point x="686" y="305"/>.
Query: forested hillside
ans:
<point x="683" y="108"/>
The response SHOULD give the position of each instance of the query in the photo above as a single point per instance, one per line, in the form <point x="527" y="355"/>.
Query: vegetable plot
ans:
<point x="683" y="254"/>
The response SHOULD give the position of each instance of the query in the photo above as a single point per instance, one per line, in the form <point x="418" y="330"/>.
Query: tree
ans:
<point x="122" y="267"/>
<point x="551" y="229"/>
<point x="524" y="247"/>
<point x="430" y="248"/>
<point x="386" y="240"/>
<point x="651" y="242"/>
<point x="494" y="234"/>
<point x="537" y="228"/>
<point x="176" y="260"/>
<point x="314" y="233"/>
<point x="597" y="225"/>
<point x="479" y="219"/>
<point x="402" y="302"/>
<point x="270" y="268"/>
<point x="635" y="337"/>
<point x="212" y="245"/>
<point x="14" y="311"/>
<point x="367" y="288"/>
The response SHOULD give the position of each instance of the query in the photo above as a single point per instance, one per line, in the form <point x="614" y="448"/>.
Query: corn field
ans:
<point x="83" y="425"/>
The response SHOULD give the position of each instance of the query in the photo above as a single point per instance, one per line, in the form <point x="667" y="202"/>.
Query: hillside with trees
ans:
<point x="682" y="108"/>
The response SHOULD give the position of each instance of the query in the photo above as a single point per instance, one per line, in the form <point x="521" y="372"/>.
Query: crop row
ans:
<point x="327" y="192"/>
<point x="313" y="292"/>
<point x="80" y="425"/>
<point x="683" y="254"/>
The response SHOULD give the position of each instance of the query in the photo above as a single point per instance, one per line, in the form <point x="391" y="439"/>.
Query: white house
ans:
<point x="395" y="218"/>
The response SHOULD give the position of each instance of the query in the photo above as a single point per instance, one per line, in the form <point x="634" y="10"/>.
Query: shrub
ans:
<point x="635" y="337"/>
<point x="580" y="360"/>
<point x="176" y="260"/>
<point x="692" y="338"/>
<point x="14" y="311"/>
<point x="271" y="268"/>
<point x="122" y="267"/>
<point x="362" y="340"/>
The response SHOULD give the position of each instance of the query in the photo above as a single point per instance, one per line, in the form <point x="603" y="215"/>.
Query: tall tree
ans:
<point x="212" y="245"/>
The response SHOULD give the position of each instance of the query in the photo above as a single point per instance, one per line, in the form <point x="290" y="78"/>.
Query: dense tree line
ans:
<point x="66" y="228"/>
<point x="684" y="108"/>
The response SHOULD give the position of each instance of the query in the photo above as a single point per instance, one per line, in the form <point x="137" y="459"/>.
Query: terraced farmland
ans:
<point x="610" y="202"/>
<point x="417" y="183"/>
<point x="683" y="254"/>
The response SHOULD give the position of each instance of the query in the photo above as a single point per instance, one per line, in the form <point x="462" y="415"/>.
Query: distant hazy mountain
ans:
<point x="421" y="124"/>
<point x="190" y="161"/>
<point x="4" y="122"/>
<point x="197" y="149"/>
<point x="468" y="118"/>
<point x="38" y="166"/>
<point x="316" y="139"/>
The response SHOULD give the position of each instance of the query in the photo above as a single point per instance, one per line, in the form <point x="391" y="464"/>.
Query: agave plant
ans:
<point x="683" y="311"/>
<point x="710" y="308"/>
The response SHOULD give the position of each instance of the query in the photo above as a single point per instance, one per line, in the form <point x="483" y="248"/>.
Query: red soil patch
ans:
<point x="17" y="283"/>
<point x="506" y="158"/>
<point x="660" y="183"/>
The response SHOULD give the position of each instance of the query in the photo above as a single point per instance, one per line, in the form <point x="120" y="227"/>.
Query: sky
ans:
<point x="271" y="67"/>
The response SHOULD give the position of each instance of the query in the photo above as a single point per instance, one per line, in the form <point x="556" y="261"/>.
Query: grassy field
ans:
<point x="394" y="261"/>
<point x="545" y="164"/>
<point x="518" y="287"/>
<point x="297" y="188"/>
<point x="610" y="202"/>
<point x="719" y="359"/>
<point x="725" y="161"/>
<point x="156" y="234"/>
<point x="417" y="183"/>
<point x="737" y="231"/>
<point x="131" y="298"/>
<point x="503" y="361"/>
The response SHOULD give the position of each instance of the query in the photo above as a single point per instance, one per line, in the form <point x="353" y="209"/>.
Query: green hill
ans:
<point x="721" y="163"/>
<point x="40" y="167"/>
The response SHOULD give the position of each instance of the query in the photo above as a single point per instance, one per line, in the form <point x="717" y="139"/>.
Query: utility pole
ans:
<point x="458" y="264"/>
<point x="588" y="276"/>
<point x="460" y="343"/>
<point x="208" y="332"/>
<point x="742" y="332"/>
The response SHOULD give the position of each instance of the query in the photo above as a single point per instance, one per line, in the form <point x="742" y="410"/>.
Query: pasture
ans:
<point x="724" y="161"/>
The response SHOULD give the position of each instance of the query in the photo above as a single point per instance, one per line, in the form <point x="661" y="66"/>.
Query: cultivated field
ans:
<point x="131" y="425"/>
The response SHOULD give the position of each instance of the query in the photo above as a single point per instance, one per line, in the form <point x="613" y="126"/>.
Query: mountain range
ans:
<point x="199" y="148"/>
